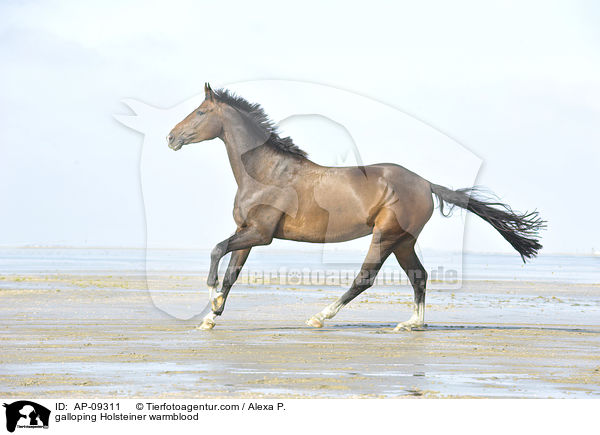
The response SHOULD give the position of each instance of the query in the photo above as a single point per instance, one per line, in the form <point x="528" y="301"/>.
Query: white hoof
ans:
<point x="409" y="326"/>
<point x="207" y="324"/>
<point x="314" y="322"/>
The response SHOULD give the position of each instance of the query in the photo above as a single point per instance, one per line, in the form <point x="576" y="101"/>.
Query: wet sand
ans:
<point x="83" y="336"/>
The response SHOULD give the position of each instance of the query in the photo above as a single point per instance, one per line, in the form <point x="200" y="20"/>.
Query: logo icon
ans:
<point x="26" y="414"/>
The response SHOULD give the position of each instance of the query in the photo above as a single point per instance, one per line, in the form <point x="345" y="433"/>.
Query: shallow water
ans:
<point x="468" y="266"/>
<point x="94" y="335"/>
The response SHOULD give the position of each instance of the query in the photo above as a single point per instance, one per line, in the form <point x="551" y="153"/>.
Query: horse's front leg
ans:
<point x="217" y="299"/>
<point x="240" y="243"/>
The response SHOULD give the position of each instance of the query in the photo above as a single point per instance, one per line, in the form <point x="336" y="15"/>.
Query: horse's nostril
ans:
<point x="170" y="138"/>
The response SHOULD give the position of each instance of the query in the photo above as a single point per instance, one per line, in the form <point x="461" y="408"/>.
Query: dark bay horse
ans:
<point x="282" y="194"/>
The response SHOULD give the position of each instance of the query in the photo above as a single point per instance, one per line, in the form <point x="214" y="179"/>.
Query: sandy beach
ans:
<point x="100" y="335"/>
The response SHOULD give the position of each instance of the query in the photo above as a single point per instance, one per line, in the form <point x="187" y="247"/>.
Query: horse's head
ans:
<point x="204" y="123"/>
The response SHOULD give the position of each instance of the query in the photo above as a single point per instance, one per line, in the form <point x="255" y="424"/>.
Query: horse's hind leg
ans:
<point x="406" y="256"/>
<point x="380" y="249"/>
<point x="217" y="302"/>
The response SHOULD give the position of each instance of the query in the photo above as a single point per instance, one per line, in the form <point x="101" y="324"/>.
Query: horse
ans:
<point x="284" y="195"/>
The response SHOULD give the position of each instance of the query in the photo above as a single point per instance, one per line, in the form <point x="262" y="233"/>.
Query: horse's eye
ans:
<point x="200" y="112"/>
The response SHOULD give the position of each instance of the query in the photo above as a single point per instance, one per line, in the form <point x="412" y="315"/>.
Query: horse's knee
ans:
<point x="217" y="253"/>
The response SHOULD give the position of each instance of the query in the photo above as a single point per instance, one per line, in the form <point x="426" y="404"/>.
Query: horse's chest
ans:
<point x="250" y="202"/>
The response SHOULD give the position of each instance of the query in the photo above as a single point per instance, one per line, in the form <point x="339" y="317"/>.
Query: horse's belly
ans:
<point x="322" y="228"/>
<point x="336" y="209"/>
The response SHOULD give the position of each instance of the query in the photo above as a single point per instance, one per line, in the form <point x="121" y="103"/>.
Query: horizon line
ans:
<point x="592" y="252"/>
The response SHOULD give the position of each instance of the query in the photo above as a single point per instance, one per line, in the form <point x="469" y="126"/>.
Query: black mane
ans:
<point x="257" y="115"/>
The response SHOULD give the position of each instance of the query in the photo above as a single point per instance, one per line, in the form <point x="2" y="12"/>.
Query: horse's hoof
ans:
<point x="207" y="324"/>
<point x="314" y="322"/>
<point x="409" y="326"/>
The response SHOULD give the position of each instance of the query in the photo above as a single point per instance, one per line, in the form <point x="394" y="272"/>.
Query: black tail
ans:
<point x="520" y="230"/>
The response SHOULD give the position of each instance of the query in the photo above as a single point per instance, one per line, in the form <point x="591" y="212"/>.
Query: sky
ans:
<point x="515" y="83"/>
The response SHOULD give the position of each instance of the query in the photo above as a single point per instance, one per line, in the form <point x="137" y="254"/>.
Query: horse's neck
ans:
<point x="234" y="153"/>
<point x="246" y="153"/>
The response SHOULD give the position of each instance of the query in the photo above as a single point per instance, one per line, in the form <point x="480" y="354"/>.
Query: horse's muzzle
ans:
<point x="174" y="144"/>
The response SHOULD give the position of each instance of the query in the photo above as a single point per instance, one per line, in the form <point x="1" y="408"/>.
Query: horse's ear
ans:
<point x="208" y="92"/>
